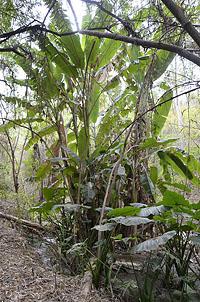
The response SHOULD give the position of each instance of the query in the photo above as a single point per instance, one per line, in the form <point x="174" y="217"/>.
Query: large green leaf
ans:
<point x="43" y="207"/>
<point x="133" y="52"/>
<point x="94" y="101"/>
<point x="82" y="144"/>
<point x="171" y="199"/>
<point x="43" y="132"/>
<point x="180" y="165"/>
<point x="107" y="51"/>
<point x="161" y="62"/>
<point x="54" y="194"/>
<point x="153" y="174"/>
<point x="176" y="163"/>
<point x="48" y="193"/>
<point x="131" y="221"/>
<point x="18" y="122"/>
<point x="154" y="243"/>
<point x="60" y="59"/>
<point x="192" y="163"/>
<point x="161" y="113"/>
<point x="73" y="48"/>
<point x="126" y="211"/>
<point x="43" y="170"/>
<point x="191" y="167"/>
<point x="60" y="22"/>
<point x="91" y="50"/>
<point x="152" y="142"/>
<point x="47" y="83"/>
<point x="154" y="210"/>
<point x="91" y="45"/>
<point x="136" y="71"/>
<point x="177" y="185"/>
<point x="116" y="117"/>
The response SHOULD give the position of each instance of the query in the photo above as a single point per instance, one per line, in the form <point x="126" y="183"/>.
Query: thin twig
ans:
<point x="147" y="111"/>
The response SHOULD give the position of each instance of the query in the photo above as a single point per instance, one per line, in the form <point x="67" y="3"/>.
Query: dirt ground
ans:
<point x="24" y="277"/>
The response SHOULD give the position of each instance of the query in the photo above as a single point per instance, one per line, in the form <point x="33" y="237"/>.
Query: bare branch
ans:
<point x="126" y="24"/>
<point x="11" y="49"/>
<point x="179" y="14"/>
<point x="7" y="35"/>
<point x="132" y="40"/>
<point x="49" y="10"/>
<point x="145" y="43"/>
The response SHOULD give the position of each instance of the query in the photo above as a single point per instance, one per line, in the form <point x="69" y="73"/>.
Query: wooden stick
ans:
<point x="23" y="222"/>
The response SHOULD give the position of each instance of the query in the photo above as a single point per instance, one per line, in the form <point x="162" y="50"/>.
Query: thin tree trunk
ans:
<point x="13" y="163"/>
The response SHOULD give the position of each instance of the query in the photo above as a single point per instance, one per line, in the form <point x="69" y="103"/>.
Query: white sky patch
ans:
<point x="79" y="8"/>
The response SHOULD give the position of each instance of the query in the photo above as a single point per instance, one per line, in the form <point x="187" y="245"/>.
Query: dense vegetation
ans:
<point x="99" y="134"/>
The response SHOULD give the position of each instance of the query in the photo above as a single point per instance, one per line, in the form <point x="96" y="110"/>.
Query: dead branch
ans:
<point x="23" y="222"/>
<point x="132" y="40"/>
<point x="145" y="43"/>
<point x="179" y="14"/>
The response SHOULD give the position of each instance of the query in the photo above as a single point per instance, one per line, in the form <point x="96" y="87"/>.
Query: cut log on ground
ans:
<point x="23" y="222"/>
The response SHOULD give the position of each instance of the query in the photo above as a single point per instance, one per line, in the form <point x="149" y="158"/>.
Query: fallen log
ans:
<point x="23" y="222"/>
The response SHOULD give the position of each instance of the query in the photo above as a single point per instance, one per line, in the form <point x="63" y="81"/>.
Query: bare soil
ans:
<point x="24" y="276"/>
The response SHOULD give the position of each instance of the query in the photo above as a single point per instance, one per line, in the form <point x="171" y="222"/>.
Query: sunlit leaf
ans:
<point x="155" y="210"/>
<point x="17" y="123"/>
<point x="94" y="102"/>
<point x="126" y="211"/>
<point x="171" y="199"/>
<point x="40" y="134"/>
<point x="153" y="143"/>
<point x="104" y="227"/>
<point x="161" y="113"/>
<point x="82" y="143"/>
<point x="107" y="52"/>
<point x="130" y="221"/>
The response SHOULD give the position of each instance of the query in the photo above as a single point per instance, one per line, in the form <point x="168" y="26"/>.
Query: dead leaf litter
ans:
<point x="24" y="277"/>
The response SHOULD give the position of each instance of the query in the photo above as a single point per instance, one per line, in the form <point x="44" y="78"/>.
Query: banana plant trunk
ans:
<point x="140" y="132"/>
